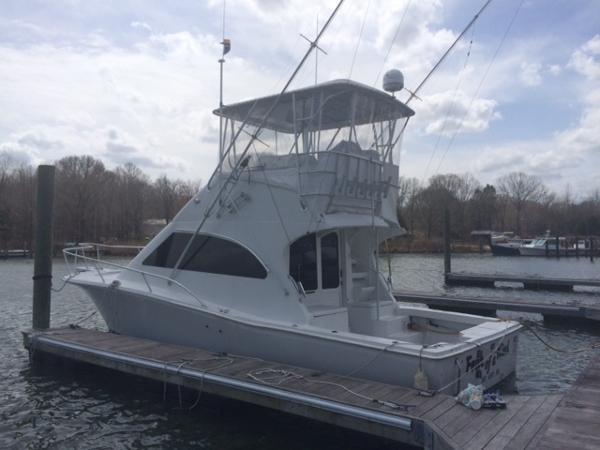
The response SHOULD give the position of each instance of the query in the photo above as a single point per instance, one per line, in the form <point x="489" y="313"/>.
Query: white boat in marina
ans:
<point x="277" y="256"/>
<point x="546" y="246"/>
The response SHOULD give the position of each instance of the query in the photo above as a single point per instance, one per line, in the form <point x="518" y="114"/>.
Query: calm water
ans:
<point x="62" y="406"/>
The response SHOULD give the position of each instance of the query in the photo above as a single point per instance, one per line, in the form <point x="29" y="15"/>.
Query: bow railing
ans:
<point x="78" y="260"/>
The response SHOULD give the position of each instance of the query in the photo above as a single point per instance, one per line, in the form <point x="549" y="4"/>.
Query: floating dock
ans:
<point x="528" y="282"/>
<point x="489" y="305"/>
<point x="18" y="253"/>
<point x="388" y="411"/>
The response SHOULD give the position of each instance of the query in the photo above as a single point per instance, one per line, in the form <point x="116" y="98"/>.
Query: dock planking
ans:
<point x="430" y="422"/>
<point x="572" y="310"/>
<point x="575" y="422"/>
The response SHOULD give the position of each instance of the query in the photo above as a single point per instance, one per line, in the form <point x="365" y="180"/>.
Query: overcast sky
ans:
<point x="136" y="80"/>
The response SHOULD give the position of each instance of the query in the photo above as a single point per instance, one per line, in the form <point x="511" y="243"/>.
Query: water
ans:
<point x="64" y="406"/>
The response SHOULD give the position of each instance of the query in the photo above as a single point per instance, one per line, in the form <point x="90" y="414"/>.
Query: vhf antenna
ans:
<point x="313" y="44"/>
<point x="226" y="43"/>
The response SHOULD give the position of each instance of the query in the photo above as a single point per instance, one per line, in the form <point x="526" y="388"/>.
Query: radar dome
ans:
<point x="393" y="81"/>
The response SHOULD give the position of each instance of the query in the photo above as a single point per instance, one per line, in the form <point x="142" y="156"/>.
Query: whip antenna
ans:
<point x="226" y="43"/>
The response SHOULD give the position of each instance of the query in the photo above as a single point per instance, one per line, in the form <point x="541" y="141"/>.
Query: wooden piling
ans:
<point x="447" y="260"/>
<point x="42" y="269"/>
<point x="592" y="249"/>
<point x="576" y="247"/>
<point x="557" y="240"/>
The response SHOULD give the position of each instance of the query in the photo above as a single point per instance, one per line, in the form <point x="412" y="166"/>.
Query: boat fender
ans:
<point x="421" y="381"/>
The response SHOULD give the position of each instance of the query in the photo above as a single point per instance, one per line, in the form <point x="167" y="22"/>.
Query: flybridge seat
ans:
<point x="326" y="106"/>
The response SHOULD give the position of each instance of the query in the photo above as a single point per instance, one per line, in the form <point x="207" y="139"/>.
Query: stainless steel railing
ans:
<point x="78" y="255"/>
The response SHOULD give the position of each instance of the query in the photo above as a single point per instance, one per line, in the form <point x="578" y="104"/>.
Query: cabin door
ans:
<point x="329" y="250"/>
<point x="316" y="263"/>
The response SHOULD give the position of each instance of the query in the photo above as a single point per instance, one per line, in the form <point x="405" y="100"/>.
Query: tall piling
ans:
<point x="42" y="269"/>
<point x="447" y="256"/>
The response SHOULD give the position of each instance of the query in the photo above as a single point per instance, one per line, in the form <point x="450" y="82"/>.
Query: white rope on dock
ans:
<point x="277" y="377"/>
<point x="226" y="361"/>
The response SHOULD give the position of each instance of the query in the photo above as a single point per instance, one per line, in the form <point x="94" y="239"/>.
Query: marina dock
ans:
<point x="16" y="253"/>
<point x="528" y="282"/>
<point x="489" y="305"/>
<point x="392" y="412"/>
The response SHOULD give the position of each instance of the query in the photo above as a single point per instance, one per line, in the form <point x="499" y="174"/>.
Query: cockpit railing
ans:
<point x="78" y="256"/>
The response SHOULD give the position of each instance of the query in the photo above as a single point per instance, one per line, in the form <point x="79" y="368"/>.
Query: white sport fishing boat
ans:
<point x="277" y="256"/>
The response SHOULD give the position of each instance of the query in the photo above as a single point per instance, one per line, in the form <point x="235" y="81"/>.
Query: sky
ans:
<point x="137" y="80"/>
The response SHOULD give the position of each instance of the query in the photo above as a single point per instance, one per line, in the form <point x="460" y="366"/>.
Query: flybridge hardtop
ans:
<point x="326" y="106"/>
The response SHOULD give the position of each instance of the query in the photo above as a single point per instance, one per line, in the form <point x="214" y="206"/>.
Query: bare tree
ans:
<point x="521" y="189"/>
<point x="484" y="207"/>
<point x="79" y="182"/>
<point x="165" y="191"/>
<point x="408" y="191"/>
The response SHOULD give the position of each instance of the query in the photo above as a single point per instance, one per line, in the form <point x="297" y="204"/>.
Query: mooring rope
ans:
<point x="181" y="363"/>
<point x="278" y="377"/>
<point x="592" y="347"/>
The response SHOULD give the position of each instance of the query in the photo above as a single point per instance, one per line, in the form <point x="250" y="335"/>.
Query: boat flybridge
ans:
<point x="277" y="256"/>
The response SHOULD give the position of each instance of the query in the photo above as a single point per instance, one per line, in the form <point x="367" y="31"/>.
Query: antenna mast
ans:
<point x="226" y="43"/>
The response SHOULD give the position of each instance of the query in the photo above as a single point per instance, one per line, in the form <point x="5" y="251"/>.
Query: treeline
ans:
<point x="92" y="203"/>
<point x="517" y="202"/>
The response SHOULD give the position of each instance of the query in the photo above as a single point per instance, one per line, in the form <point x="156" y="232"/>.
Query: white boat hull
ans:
<point x="144" y="316"/>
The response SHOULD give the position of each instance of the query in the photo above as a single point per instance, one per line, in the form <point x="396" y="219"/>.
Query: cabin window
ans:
<point x="330" y="267"/>
<point x="207" y="254"/>
<point x="167" y="253"/>
<point x="303" y="262"/>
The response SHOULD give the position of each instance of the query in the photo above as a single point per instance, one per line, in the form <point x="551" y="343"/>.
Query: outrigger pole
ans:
<point x="413" y="94"/>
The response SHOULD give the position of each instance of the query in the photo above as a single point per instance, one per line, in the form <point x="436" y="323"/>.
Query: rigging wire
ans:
<point x="392" y="43"/>
<point x="362" y="27"/>
<point x="279" y="216"/>
<point x="476" y="93"/>
<point x="451" y="107"/>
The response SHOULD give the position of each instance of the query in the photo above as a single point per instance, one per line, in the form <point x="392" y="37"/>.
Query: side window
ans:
<point x="167" y="253"/>
<point x="207" y="254"/>
<point x="214" y="255"/>
<point x="330" y="267"/>
<point x="303" y="261"/>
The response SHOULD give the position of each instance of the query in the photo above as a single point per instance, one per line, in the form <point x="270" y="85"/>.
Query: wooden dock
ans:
<point x="528" y="282"/>
<point x="575" y="423"/>
<point x="399" y="413"/>
<point x="478" y="305"/>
